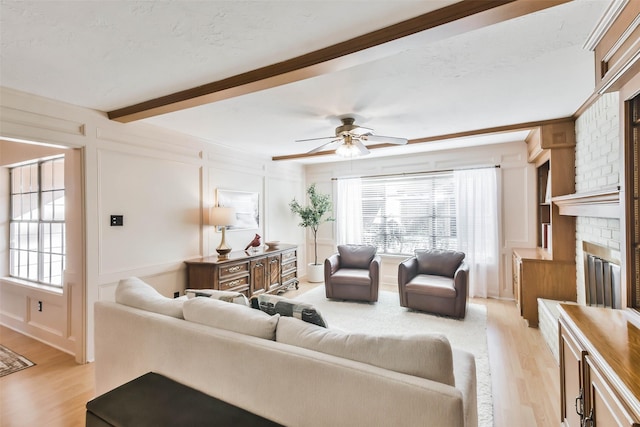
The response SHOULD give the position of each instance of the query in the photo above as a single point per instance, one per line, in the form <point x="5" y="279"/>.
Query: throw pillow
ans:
<point x="438" y="262"/>
<point x="231" y="317"/>
<point x="274" y="304"/>
<point x="136" y="293"/>
<point x="426" y="355"/>
<point x="356" y="256"/>
<point x="226" y="296"/>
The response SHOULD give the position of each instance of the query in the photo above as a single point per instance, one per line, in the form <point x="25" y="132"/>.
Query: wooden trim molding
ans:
<point x="530" y="126"/>
<point x="451" y="20"/>
<point x="601" y="203"/>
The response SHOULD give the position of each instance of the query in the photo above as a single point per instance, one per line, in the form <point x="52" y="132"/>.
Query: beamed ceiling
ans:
<point x="258" y="75"/>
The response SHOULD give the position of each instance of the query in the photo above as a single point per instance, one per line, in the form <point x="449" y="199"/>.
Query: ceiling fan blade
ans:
<point x="315" y="139"/>
<point x="385" y="139"/>
<point x="359" y="131"/>
<point x="363" y="150"/>
<point x="326" y="146"/>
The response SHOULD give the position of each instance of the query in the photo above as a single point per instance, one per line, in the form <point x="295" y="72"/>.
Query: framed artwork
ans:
<point x="247" y="206"/>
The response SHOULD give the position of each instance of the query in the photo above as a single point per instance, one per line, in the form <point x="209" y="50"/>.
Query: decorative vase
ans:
<point x="315" y="273"/>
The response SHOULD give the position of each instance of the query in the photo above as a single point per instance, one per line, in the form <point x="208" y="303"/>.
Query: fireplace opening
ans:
<point x="601" y="276"/>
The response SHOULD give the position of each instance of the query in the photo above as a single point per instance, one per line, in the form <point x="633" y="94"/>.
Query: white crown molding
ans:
<point x="610" y="15"/>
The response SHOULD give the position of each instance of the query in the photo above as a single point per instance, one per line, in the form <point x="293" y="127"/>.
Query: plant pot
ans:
<point x="315" y="273"/>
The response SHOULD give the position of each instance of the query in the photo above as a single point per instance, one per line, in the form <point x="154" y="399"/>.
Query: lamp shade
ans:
<point x="222" y="216"/>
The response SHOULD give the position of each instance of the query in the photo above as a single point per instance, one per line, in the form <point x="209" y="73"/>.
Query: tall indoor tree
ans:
<point x="317" y="212"/>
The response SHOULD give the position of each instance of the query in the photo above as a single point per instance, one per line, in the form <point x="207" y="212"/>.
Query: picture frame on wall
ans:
<point x="247" y="206"/>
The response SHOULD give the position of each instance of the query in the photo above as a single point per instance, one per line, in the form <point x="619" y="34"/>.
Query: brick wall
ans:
<point x="597" y="167"/>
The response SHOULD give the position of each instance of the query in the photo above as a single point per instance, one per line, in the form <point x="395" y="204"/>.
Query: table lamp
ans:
<point x="222" y="217"/>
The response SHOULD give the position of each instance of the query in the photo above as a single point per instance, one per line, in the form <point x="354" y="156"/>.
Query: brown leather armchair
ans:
<point x="353" y="273"/>
<point x="434" y="281"/>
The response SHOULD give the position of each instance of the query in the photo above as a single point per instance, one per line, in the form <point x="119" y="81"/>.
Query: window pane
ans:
<point x="25" y="180"/>
<point x="16" y="206"/>
<point x="13" y="262"/>
<point x="53" y="265"/>
<point x="32" y="236"/>
<point x="58" y="174"/>
<point x="33" y="266"/>
<point x="52" y="175"/>
<point x="53" y="205"/>
<point x="58" y="202"/>
<point x="53" y="238"/>
<point x="46" y="176"/>
<point x="24" y="207"/>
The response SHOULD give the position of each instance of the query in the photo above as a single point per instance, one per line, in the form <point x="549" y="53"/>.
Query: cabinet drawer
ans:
<point x="286" y="256"/>
<point x="234" y="283"/>
<point x="233" y="270"/>
<point x="290" y="266"/>
<point x="289" y="276"/>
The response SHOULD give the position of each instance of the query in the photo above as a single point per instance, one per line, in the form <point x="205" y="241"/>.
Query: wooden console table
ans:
<point x="251" y="273"/>
<point x="599" y="367"/>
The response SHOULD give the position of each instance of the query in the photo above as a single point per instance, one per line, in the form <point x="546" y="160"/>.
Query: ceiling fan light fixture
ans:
<point x="348" y="150"/>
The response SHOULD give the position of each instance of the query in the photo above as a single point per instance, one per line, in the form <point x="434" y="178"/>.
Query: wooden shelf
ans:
<point x="602" y="203"/>
<point x="549" y="270"/>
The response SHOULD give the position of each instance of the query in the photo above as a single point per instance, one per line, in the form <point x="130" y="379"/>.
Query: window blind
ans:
<point x="402" y="214"/>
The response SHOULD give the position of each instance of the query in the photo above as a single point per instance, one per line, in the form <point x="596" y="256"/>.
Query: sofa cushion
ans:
<point x="136" y="293"/>
<point x="438" y="262"/>
<point x="274" y="304"/>
<point x="226" y="296"/>
<point x="427" y="355"/>
<point x="231" y="317"/>
<point x="356" y="256"/>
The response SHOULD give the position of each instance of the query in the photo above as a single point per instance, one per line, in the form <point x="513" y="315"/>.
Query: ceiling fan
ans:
<point x="350" y="138"/>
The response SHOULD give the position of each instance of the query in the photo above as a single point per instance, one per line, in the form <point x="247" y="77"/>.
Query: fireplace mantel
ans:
<point x="603" y="203"/>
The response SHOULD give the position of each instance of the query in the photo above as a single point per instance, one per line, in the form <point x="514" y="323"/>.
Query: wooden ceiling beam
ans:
<point x="528" y="126"/>
<point x="454" y="19"/>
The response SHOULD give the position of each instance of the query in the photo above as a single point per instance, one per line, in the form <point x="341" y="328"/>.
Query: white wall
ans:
<point x="161" y="182"/>
<point x="516" y="187"/>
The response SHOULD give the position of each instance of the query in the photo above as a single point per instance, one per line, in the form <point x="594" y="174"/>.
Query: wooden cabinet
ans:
<point x="535" y="276"/>
<point x="617" y="48"/>
<point x="599" y="367"/>
<point x="548" y="270"/>
<point x="251" y="273"/>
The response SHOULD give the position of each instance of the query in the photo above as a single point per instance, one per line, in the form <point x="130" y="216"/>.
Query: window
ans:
<point x="402" y="214"/>
<point x="37" y="229"/>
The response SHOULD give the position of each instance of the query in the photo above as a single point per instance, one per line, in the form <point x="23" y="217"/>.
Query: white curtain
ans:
<point x="349" y="211"/>
<point x="477" y="228"/>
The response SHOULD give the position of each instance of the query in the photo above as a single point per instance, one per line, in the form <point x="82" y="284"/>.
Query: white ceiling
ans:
<point x="107" y="55"/>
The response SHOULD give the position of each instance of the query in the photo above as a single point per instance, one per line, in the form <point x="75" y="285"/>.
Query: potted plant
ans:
<point x="312" y="216"/>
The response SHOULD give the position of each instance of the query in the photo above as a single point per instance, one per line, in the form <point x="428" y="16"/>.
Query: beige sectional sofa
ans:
<point x="284" y="369"/>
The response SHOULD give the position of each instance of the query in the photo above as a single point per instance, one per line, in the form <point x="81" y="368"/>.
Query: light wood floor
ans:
<point x="53" y="393"/>
<point x="524" y="376"/>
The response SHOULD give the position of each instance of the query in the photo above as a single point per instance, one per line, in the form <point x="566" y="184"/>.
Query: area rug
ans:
<point x="11" y="362"/>
<point x="387" y="317"/>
